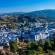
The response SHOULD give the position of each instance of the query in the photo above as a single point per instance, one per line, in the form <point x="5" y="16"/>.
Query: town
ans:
<point x="23" y="30"/>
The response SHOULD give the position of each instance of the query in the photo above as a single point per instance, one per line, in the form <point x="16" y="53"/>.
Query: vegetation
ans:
<point x="35" y="48"/>
<point x="13" y="46"/>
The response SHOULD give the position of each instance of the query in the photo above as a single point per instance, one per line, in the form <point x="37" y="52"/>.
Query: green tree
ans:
<point x="13" y="46"/>
<point x="47" y="46"/>
<point x="40" y="49"/>
<point x="53" y="41"/>
<point x="32" y="46"/>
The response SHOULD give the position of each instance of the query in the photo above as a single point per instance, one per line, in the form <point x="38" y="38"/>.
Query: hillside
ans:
<point x="45" y="13"/>
<point x="42" y="16"/>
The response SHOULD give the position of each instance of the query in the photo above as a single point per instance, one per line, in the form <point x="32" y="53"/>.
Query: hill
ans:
<point x="45" y="13"/>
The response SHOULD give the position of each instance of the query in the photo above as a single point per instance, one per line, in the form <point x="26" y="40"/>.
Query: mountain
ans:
<point x="12" y="14"/>
<point x="45" y="13"/>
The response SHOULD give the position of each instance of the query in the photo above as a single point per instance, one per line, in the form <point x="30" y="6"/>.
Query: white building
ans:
<point x="42" y="35"/>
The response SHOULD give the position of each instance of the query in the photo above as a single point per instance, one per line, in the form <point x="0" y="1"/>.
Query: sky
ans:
<point x="7" y="6"/>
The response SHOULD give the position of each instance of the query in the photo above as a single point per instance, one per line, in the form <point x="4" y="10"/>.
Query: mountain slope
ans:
<point x="45" y="13"/>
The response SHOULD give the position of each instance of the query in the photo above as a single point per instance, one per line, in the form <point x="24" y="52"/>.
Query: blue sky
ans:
<point x="25" y="5"/>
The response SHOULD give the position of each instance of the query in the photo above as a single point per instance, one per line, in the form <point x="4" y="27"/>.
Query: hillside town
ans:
<point x="23" y="30"/>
